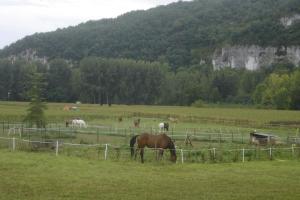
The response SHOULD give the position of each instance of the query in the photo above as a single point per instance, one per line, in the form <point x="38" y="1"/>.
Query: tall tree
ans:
<point x="35" y="112"/>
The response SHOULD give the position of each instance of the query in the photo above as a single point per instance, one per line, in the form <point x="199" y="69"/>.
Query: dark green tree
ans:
<point x="35" y="112"/>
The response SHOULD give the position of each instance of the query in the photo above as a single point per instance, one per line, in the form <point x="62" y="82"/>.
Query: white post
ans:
<point x="270" y="152"/>
<point x="214" y="151"/>
<point x="56" y="149"/>
<point x="243" y="155"/>
<point x="105" y="152"/>
<point x="181" y="155"/>
<point x="14" y="144"/>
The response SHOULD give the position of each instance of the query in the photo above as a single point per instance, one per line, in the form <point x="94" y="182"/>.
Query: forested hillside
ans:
<point x="180" y="34"/>
<point x="161" y="56"/>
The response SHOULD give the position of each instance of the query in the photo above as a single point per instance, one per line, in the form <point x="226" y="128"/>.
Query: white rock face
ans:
<point x="253" y="57"/>
<point x="288" y="21"/>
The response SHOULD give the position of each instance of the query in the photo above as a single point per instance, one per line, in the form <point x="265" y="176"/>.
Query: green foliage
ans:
<point x="124" y="81"/>
<point x="58" y="78"/>
<point x="35" y="113"/>
<point x="295" y="90"/>
<point x="161" y="56"/>
<point x="198" y="104"/>
<point x="180" y="34"/>
<point x="275" y="91"/>
<point x="120" y="81"/>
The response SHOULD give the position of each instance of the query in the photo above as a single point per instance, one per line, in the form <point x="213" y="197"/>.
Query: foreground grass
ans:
<point x="42" y="176"/>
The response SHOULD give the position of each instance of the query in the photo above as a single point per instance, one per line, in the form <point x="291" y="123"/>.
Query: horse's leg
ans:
<point x="135" y="154"/>
<point x="161" y="153"/>
<point x="142" y="154"/>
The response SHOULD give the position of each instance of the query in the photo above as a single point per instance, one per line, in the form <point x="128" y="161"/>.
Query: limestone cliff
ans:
<point x="253" y="57"/>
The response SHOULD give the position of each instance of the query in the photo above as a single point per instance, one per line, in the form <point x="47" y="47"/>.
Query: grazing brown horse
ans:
<point x="160" y="142"/>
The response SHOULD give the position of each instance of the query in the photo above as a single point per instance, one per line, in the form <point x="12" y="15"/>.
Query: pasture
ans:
<point x="187" y="116"/>
<point x="38" y="176"/>
<point x="94" y="162"/>
<point x="216" y="134"/>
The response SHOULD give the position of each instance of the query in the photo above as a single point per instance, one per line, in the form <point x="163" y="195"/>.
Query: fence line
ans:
<point x="57" y="145"/>
<point x="208" y="134"/>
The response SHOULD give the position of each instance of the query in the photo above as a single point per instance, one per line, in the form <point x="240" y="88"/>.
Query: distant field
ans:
<point x="36" y="176"/>
<point x="95" y="113"/>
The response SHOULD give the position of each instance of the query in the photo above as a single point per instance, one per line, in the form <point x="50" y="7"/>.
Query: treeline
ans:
<point x="123" y="81"/>
<point x="180" y="34"/>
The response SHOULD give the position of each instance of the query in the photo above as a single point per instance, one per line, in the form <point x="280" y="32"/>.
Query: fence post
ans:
<point x="182" y="160"/>
<point x="56" y="148"/>
<point x="98" y="135"/>
<point x="293" y="150"/>
<point x="14" y="143"/>
<point x="243" y="152"/>
<point x="242" y="138"/>
<point x="3" y="124"/>
<point x="105" y="152"/>
<point x="270" y="153"/>
<point x="214" y="153"/>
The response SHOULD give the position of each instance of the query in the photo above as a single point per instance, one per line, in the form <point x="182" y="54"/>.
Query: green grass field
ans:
<point x="36" y="176"/>
<point x="95" y="113"/>
<point x="203" y="124"/>
<point x="82" y="172"/>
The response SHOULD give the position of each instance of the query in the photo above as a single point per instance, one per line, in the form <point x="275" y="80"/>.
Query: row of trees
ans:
<point x="122" y="81"/>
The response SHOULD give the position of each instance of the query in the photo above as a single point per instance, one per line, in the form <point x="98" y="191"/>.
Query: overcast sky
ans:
<point x="19" y="18"/>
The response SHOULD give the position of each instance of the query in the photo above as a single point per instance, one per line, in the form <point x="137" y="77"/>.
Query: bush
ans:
<point x="198" y="104"/>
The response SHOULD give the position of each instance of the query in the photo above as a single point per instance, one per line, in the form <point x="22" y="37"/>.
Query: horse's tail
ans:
<point x="132" y="142"/>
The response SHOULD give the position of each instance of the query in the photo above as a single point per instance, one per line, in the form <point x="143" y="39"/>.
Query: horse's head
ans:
<point x="172" y="147"/>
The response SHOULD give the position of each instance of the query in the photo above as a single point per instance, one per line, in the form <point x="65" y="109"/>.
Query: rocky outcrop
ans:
<point x="288" y="21"/>
<point x="253" y="57"/>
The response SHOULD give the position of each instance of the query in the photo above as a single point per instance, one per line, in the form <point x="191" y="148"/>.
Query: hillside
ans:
<point x="180" y="34"/>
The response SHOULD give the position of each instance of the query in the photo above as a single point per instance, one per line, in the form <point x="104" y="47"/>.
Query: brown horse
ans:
<point x="159" y="142"/>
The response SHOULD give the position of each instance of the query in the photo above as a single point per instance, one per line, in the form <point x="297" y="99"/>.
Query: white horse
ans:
<point x="163" y="126"/>
<point x="76" y="123"/>
<point x="79" y="123"/>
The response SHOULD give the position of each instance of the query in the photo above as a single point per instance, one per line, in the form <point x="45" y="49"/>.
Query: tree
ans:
<point x="275" y="91"/>
<point x="226" y="81"/>
<point x="59" y="79"/>
<point x="295" y="90"/>
<point x="35" y="112"/>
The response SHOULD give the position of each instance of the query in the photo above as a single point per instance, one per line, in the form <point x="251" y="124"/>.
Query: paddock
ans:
<point x="102" y="142"/>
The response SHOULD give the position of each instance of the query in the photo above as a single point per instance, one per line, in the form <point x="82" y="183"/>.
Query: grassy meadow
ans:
<point x="43" y="176"/>
<point x="188" y="117"/>
<point x="15" y="110"/>
<point x="81" y="172"/>
<point x="214" y="127"/>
